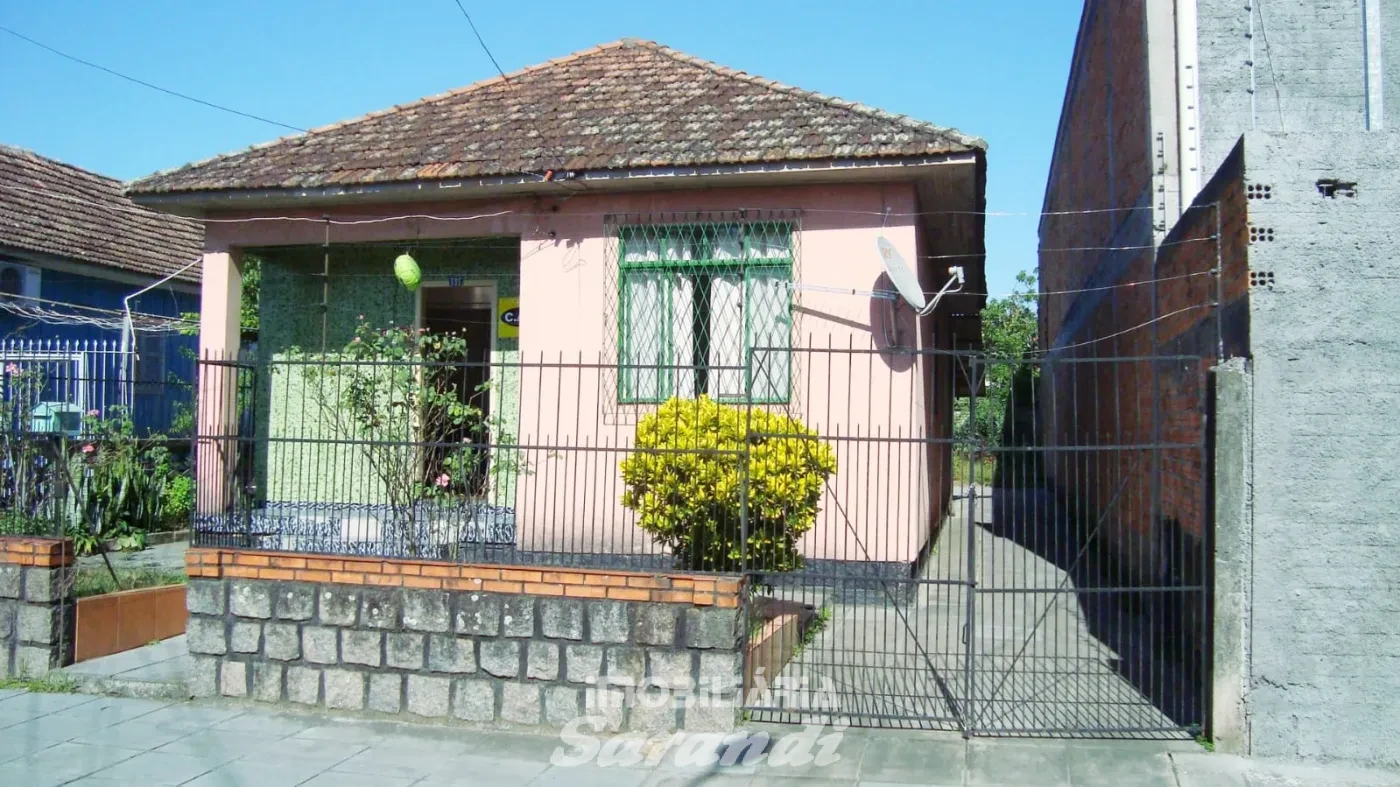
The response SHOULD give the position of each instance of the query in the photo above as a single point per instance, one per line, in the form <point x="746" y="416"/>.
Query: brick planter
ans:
<point x="115" y="622"/>
<point x="483" y="644"/>
<point x="36" y="605"/>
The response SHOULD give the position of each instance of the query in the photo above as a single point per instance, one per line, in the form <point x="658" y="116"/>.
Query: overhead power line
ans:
<point x="144" y="83"/>
<point x="481" y="41"/>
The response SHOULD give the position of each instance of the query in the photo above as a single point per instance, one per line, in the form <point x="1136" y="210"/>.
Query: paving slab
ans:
<point x="901" y="760"/>
<point x="1141" y="766"/>
<point x="135" y="735"/>
<point x="992" y="763"/>
<point x="244" y="773"/>
<point x="593" y="776"/>
<point x="62" y="763"/>
<point x="106" y="711"/>
<point x="1222" y="770"/>
<point x="167" y="661"/>
<point x="153" y="767"/>
<point x="102" y="742"/>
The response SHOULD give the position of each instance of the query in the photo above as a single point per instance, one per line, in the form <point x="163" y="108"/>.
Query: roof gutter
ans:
<point x="645" y="178"/>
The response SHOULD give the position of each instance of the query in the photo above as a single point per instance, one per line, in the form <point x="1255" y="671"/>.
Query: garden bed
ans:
<point x="778" y="630"/>
<point x="110" y="621"/>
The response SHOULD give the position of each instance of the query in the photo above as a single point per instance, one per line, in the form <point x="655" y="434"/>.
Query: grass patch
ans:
<point x="52" y="683"/>
<point x="96" y="580"/>
<point x="815" y="627"/>
<point x="981" y="473"/>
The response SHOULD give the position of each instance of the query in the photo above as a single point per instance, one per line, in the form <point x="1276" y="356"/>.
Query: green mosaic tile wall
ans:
<point x="362" y="282"/>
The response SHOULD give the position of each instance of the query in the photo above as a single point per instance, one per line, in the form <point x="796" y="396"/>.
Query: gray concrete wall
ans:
<point x="1234" y="555"/>
<point x="1308" y="69"/>
<point x="1325" y="335"/>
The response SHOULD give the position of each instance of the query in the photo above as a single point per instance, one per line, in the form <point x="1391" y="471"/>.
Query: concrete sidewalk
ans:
<point x="52" y="739"/>
<point x="157" y="670"/>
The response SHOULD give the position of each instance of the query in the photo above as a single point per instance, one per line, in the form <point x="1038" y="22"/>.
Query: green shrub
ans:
<point x="178" y="501"/>
<point x="686" y="485"/>
<point x="117" y="479"/>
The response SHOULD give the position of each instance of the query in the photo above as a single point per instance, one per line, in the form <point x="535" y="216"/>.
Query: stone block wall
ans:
<point x="480" y="644"/>
<point x="36" y="605"/>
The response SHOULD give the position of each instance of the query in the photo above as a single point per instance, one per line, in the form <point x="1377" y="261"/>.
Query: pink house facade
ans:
<point x="635" y="224"/>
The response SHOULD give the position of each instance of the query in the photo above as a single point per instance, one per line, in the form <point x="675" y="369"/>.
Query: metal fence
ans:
<point x="1062" y="585"/>
<point x="510" y="462"/>
<point x="70" y="412"/>
<point x="912" y="561"/>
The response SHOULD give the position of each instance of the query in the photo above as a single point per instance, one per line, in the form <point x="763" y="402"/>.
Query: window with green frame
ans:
<point x="705" y="309"/>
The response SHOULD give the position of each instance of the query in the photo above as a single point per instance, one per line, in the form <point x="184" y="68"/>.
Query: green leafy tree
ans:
<point x="1009" y="333"/>
<point x="684" y="480"/>
<point x="251" y="275"/>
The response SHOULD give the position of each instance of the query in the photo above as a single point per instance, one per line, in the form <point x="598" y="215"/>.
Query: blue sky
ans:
<point x="996" y="70"/>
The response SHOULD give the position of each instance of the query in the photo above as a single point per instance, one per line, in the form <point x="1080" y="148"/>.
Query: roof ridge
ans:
<point x="115" y="182"/>
<point x="896" y="131"/>
<point x="396" y="108"/>
<point x="811" y="95"/>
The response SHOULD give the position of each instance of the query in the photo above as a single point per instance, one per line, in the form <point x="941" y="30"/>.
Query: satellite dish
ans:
<point x="901" y="275"/>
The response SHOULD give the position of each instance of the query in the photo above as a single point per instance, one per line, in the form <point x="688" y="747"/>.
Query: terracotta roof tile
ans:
<point x="626" y="104"/>
<point x="50" y="207"/>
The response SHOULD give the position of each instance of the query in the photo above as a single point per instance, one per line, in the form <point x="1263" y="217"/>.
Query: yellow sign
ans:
<point x="507" y="318"/>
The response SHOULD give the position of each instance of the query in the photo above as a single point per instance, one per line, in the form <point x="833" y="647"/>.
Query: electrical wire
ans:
<point x="1139" y="326"/>
<point x="150" y="85"/>
<point x="479" y="40"/>
<point x="1164" y="244"/>
<point x="506" y="80"/>
<point x="51" y="317"/>
<point x="536" y="214"/>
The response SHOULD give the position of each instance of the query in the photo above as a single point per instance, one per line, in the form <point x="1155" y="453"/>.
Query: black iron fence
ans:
<point x="1033" y="566"/>
<point x="87" y="451"/>
<point x="548" y="462"/>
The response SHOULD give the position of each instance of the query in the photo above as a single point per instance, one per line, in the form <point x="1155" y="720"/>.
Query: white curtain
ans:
<point x="640" y="249"/>
<point x="682" y="336"/>
<point x="726" y="335"/>
<point x="643" y="348"/>
<point x="768" y="244"/>
<point x="728" y="244"/>
<point x="770" y="326"/>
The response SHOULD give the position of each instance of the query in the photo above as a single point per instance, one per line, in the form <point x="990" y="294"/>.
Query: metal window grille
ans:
<point x="698" y="300"/>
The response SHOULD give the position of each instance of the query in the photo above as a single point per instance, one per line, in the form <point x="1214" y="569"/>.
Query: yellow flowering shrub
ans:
<point x="684" y="480"/>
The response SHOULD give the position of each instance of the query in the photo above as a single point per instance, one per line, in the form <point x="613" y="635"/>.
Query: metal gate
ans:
<point x="1025" y="554"/>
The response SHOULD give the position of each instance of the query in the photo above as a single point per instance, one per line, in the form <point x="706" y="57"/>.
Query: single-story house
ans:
<point x="75" y="252"/>
<point x="609" y="229"/>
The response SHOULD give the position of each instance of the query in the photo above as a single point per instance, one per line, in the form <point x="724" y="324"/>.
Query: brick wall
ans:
<point x="1102" y="161"/>
<point x="1151" y="499"/>
<point x="479" y="644"/>
<point x="36" y="605"/>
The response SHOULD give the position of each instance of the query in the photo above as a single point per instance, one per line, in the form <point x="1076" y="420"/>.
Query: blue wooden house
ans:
<point x="92" y="288"/>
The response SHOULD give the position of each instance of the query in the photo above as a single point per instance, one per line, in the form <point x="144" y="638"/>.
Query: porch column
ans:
<point x="216" y="447"/>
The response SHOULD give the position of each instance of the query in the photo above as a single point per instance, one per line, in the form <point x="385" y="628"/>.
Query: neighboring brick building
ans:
<point x="1195" y="218"/>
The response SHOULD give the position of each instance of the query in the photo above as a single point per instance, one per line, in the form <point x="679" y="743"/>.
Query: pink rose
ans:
<point x="94" y="413"/>
<point x="11" y="368"/>
<point x="444" y="480"/>
<point x="87" y="449"/>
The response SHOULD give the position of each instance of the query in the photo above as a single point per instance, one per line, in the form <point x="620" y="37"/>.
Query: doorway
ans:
<point x="468" y="311"/>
